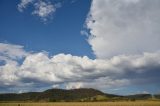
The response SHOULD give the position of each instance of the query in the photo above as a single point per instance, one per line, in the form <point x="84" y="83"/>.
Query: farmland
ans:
<point x="137" y="103"/>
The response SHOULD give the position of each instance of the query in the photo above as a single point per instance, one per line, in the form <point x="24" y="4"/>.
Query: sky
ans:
<point x="109" y="45"/>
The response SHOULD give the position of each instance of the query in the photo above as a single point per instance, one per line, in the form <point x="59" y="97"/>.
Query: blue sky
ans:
<point x="108" y="45"/>
<point x="60" y="34"/>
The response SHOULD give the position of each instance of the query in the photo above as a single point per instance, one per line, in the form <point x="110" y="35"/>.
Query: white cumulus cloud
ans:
<point x="12" y="51"/>
<point x="126" y="27"/>
<point x="40" y="70"/>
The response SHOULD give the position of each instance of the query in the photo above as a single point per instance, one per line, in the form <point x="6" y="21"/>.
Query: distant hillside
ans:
<point x="55" y="95"/>
<point x="68" y="95"/>
<point x="73" y="95"/>
<point x="157" y="96"/>
<point x="140" y="96"/>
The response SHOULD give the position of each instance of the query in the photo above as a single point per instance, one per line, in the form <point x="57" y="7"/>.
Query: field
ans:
<point x="149" y="103"/>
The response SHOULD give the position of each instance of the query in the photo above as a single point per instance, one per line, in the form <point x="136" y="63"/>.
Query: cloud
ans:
<point x="23" y="4"/>
<point x="123" y="27"/>
<point x="10" y="54"/>
<point x="101" y="83"/>
<point x="12" y="51"/>
<point x="42" y="8"/>
<point x="39" y="70"/>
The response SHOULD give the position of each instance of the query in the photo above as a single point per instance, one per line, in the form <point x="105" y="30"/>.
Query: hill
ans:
<point x="72" y="95"/>
<point x="140" y="97"/>
<point x="56" y="95"/>
<point x="157" y="96"/>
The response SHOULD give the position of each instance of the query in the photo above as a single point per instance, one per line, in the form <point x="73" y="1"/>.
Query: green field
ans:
<point x="140" y="103"/>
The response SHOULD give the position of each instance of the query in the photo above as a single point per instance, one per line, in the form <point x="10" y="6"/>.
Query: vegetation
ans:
<point x="157" y="96"/>
<point x="73" y="95"/>
<point x="140" y="96"/>
<point x="58" y="95"/>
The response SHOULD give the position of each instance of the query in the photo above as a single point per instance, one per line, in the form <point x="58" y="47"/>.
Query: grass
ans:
<point x="137" y="103"/>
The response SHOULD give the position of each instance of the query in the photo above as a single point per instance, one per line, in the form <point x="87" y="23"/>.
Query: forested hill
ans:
<point x="73" y="95"/>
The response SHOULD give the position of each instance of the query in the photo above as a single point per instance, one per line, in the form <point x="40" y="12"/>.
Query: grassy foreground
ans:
<point x="140" y="103"/>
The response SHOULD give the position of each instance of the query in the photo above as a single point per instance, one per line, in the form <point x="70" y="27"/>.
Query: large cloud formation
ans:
<point x="124" y="27"/>
<point x="39" y="69"/>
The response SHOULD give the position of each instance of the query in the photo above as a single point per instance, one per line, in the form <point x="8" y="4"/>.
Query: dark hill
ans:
<point x="72" y="95"/>
<point x="140" y="96"/>
<point x="157" y="96"/>
<point x="68" y="95"/>
<point x="55" y="95"/>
